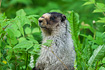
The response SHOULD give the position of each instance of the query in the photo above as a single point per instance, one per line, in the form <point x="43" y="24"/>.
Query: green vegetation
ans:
<point x="20" y="35"/>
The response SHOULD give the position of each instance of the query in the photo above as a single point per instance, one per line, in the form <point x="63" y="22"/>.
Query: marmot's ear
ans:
<point x="63" y="18"/>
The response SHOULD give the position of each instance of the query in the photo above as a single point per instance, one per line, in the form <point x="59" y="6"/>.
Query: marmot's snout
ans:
<point x="44" y="20"/>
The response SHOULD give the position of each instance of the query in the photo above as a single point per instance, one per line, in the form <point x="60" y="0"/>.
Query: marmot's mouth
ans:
<point x="41" y="26"/>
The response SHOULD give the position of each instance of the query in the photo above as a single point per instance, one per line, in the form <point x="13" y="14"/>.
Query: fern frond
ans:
<point x="98" y="54"/>
<point x="73" y="19"/>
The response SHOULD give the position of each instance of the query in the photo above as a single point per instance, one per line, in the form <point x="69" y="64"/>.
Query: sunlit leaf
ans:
<point x="33" y="40"/>
<point x="35" y="30"/>
<point x="48" y="43"/>
<point x="103" y="61"/>
<point x="100" y="7"/>
<point x="24" y="45"/>
<point x="98" y="54"/>
<point x="89" y="2"/>
<point x="27" y="30"/>
<point x="102" y="20"/>
<point x="102" y="68"/>
<point x="20" y="13"/>
<point x="73" y="19"/>
<point x="98" y="10"/>
<point x="22" y="39"/>
<point x="20" y="27"/>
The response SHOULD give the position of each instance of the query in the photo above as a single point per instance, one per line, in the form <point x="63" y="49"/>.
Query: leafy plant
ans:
<point x="18" y="41"/>
<point x="20" y="36"/>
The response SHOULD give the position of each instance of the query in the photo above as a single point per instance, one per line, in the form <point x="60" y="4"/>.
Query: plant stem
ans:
<point x="96" y="65"/>
<point x="26" y="59"/>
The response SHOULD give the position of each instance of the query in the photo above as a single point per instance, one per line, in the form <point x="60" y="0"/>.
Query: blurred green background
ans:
<point x="39" y="7"/>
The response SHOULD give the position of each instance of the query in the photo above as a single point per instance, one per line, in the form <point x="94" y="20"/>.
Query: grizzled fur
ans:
<point x="55" y="27"/>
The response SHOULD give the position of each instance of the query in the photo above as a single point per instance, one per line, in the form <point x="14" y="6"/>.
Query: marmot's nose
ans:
<point x="40" y="21"/>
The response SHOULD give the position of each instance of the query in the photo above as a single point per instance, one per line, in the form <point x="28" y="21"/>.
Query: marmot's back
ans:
<point x="55" y="27"/>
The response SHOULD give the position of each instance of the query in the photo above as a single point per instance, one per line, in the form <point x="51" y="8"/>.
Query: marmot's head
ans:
<point x="51" y="21"/>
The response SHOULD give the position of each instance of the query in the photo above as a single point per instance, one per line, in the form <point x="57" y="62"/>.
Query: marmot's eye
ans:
<point x="52" y="18"/>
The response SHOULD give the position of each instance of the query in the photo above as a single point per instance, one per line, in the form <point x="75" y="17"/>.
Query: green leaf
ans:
<point x="32" y="16"/>
<point x="9" y="57"/>
<point x="90" y="68"/>
<point x="48" y="43"/>
<point x="17" y="33"/>
<point x="99" y="38"/>
<point x="37" y="47"/>
<point x="20" y="13"/>
<point x="22" y="18"/>
<point x="24" y="45"/>
<point x="94" y="46"/>
<point x="22" y="39"/>
<point x="98" y="54"/>
<point x="35" y="50"/>
<point x="103" y="61"/>
<point x="98" y="11"/>
<point x="102" y="20"/>
<point x="89" y="2"/>
<point x="100" y="7"/>
<point x="14" y="26"/>
<point x="35" y="30"/>
<point x="10" y="52"/>
<point x="10" y="33"/>
<point x="73" y="19"/>
<point x="20" y="27"/>
<point x="33" y="40"/>
<point x="28" y="30"/>
<point x="102" y="68"/>
<point x="2" y="16"/>
<point x="83" y="35"/>
<point x="90" y="37"/>
<point x="11" y="39"/>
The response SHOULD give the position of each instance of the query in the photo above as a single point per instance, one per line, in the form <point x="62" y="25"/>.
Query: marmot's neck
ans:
<point x="53" y="33"/>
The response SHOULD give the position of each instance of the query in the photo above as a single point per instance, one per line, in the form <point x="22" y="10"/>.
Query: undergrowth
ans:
<point x="20" y="40"/>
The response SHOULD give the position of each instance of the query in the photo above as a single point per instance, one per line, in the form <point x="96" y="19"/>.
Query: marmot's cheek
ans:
<point x="42" y="25"/>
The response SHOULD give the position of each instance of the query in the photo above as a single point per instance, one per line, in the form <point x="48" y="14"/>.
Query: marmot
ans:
<point x="55" y="27"/>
